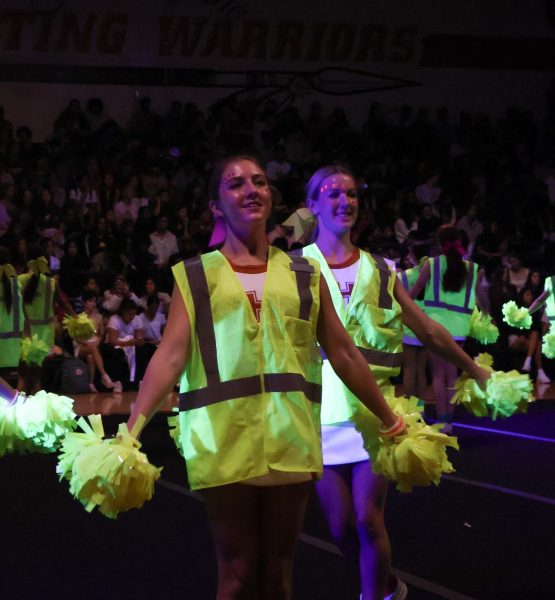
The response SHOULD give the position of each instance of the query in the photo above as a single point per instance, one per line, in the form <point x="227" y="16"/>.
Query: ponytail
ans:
<point x="455" y="275"/>
<point x="30" y="289"/>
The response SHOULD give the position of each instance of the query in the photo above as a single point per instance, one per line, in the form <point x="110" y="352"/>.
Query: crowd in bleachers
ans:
<point x="114" y="205"/>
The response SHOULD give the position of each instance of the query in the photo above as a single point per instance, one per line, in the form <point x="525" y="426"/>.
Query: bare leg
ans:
<point x="255" y="530"/>
<point x="232" y="512"/>
<point x="439" y="384"/>
<point x="282" y="511"/>
<point x="353" y="500"/>
<point x="369" y="496"/>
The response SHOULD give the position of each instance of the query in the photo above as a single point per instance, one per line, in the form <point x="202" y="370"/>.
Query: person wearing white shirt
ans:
<point x="163" y="243"/>
<point x="128" y="207"/>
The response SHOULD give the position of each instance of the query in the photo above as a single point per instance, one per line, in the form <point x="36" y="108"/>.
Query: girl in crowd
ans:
<point x="151" y="289"/>
<point x="87" y="350"/>
<point x="530" y="341"/>
<point x="40" y="294"/>
<point x="373" y="305"/>
<point x="125" y="332"/>
<point x="450" y="284"/>
<point x="242" y="335"/>
<point x="12" y="317"/>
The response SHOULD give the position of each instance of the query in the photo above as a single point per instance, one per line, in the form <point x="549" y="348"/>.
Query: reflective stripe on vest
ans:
<point x="16" y="331"/>
<point x="46" y="319"/>
<point x="405" y="280"/>
<point x="377" y="357"/>
<point x="385" y="300"/>
<point x="437" y="285"/>
<point x="219" y="391"/>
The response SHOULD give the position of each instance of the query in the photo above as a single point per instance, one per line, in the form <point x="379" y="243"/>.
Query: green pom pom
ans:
<point x="508" y="393"/>
<point x="504" y="393"/>
<point x="33" y="350"/>
<point x="109" y="474"/>
<point x="515" y="316"/>
<point x="175" y="431"/>
<point x="12" y="437"/>
<point x="80" y="327"/>
<point x="417" y="458"/>
<point x="482" y="328"/>
<point x="45" y="419"/>
<point x="548" y="343"/>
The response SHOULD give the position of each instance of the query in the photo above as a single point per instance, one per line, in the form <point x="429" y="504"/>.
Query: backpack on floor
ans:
<point x="65" y="375"/>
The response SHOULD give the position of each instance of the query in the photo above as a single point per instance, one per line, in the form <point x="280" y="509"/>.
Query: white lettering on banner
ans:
<point x="33" y="34"/>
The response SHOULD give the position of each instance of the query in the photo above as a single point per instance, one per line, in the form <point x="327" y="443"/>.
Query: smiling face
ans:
<point x="244" y="197"/>
<point x="336" y="204"/>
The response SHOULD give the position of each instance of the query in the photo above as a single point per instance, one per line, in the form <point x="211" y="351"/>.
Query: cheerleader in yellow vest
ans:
<point x="450" y="284"/>
<point x="242" y="335"/>
<point x="373" y="306"/>
<point x="40" y="293"/>
<point x="12" y="318"/>
<point x="415" y="356"/>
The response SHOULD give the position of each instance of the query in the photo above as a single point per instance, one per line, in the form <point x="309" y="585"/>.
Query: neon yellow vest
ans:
<point x="250" y="393"/>
<point x="550" y="302"/>
<point x="408" y="279"/>
<point x="451" y="309"/>
<point x="372" y="319"/>
<point x="40" y="311"/>
<point x="11" y="326"/>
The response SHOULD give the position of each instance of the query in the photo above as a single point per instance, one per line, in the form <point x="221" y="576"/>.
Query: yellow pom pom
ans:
<point x="482" y="328"/>
<point x="417" y="458"/>
<point x="46" y="418"/>
<point x="548" y="343"/>
<point x="80" y="327"/>
<point x="515" y="316"/>
<point x="110" y="474"/>
<point x="33" y="350"/>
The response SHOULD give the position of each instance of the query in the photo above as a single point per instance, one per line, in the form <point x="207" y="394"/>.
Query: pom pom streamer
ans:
<point x="12" y="437"/>
<point x="482" y="328"/>
<point x="35" y="424"/>
<point x="548" y="343"/>
<point x="109" y="474"/>
<point x="175" y="430"/>
<point x="515" y="316"/>
<point x="505" y="393"/>
<point x="33" y="350"/>
<point x="80" y="327"/>
<point x="46" y="418"/>
<point x="417" y="458"/>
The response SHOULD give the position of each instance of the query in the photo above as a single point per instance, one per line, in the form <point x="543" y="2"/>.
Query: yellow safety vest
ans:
<point x="40" y="311"/>
<point x="451" y="309"/>
<point x="408" y="279"/>
<point x="11" y="326"/>
<point x="250" y="393"/>
<point x="374" y="322"/>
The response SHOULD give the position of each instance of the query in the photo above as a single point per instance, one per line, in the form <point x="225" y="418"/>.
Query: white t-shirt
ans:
<point x="125" y="329"/>
<point x="342" y="443"/>
<point x="153" y="329"/>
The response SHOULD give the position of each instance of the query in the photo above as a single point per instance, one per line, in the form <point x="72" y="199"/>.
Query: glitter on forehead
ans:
<point x="333" y="182"/>
<point x="228" y="177"/>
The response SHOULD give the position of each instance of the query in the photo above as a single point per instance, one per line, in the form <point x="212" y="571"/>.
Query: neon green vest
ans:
<point x="250" y="393"/>
<point x="11" y="326"/>
<point x="451" y="309"/>
<point x="550" y="302"/>
<point x="372" y="319"/>
<point x="40" y="311"/>
<point x="408" y="279"/>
